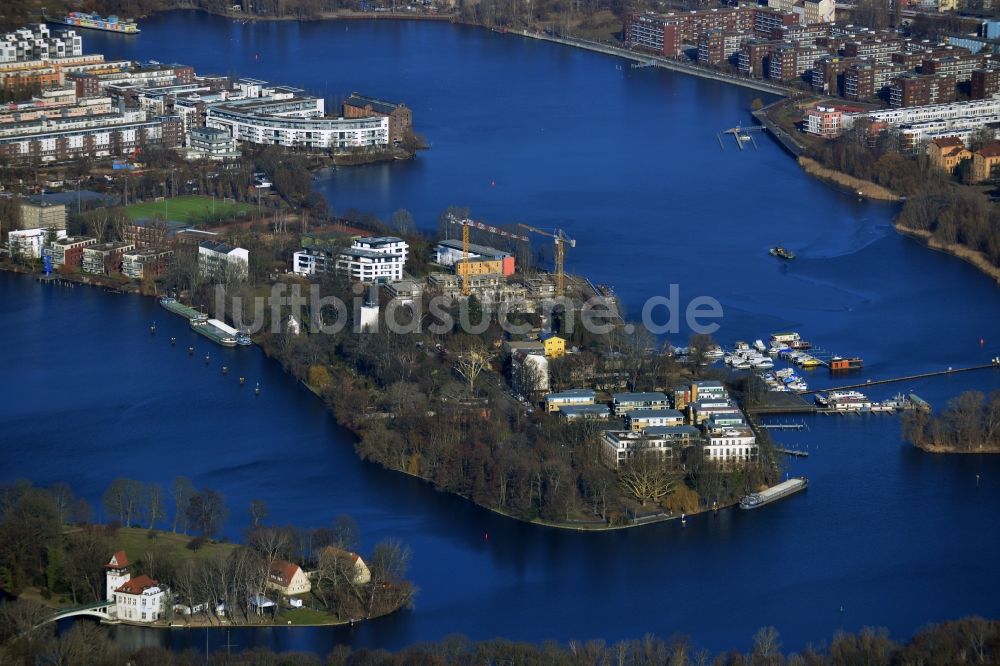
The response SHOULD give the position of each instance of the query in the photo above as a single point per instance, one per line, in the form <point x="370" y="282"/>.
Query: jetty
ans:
<point x="676" y="65"/>
<point x="907" y="378"/>
<point x="798" y="453"/>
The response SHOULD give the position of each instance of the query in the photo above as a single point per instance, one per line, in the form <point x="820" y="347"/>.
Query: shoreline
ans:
<point x="858" y="186"/>
<point x="968" y="255"/>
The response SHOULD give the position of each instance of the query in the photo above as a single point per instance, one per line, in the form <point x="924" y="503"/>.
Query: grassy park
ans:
<point x="190" y="209"/>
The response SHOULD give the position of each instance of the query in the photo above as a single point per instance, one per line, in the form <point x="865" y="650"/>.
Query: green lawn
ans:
<point x="188" y="209"/>
<point x="136" y="542"/>
<point x="304" y="616"/>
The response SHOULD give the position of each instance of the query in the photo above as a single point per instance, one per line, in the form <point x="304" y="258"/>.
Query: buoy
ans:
<point x="173" y="341"/>
<point x="225" y="369"/>
<point x="152" y="329"/>
<point x="243" y="380"/>
<point x="486" y="536"/>
<point x="207" y="357"/>
<point x="982" y="342"/>
<point x="190" y="350"/>
<point x="257" y="389"/>
<point x="493" y="183"/>
<point x="841" y="609"/>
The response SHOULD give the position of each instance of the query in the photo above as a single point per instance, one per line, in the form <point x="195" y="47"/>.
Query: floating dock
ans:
<point x="774" y="493"/>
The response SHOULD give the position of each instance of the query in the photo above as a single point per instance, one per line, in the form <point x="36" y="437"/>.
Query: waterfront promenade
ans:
<point x="659" y="61"/>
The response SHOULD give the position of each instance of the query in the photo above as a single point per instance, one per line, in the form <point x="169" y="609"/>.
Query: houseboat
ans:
<point x="98" y="22"/>
<point x="840" y="363"/>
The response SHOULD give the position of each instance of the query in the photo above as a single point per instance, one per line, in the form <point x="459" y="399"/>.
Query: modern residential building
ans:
<point x="824" y="121"/>
<point x="555" y="402"/>
<point x="104" y="258"/>
<point x="922" y="89"/>
<point x="43" y="215"/>
<point x="641" y="419"/>
<point x="138" y="264"/>
<point x="29" y="243"/>
<point x="575" y="412"/>
<point x="718" y="47"/>
<point x="68" y="250"/>
<point x="984" y="83"/>
<point x="211" y="143"/>
<point x="400" y="117"/>
<point x="623" y="403"/>
<point x="732" y="446"/>
<point x="620" y="446"/>
<point x="219" y="261"/>
<point x="276" y="115"/>
<point x="374" y="259"/>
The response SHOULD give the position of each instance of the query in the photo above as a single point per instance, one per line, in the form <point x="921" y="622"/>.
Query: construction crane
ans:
<point x="560" y="239"/>
<point x="468" y="224"/>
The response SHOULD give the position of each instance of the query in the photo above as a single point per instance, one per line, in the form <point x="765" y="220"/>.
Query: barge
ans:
<point x="98" y="22"/>
<point x="173" y="306"/>
<point x="774" y="493"/>
<point x="216" y="331"/>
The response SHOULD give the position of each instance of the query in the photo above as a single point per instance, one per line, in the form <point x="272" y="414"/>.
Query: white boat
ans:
<point x="759" y="346"/>
<point x="784" y="372"/>
<point x="716" y="352"/>
<point x="742" y="365"/>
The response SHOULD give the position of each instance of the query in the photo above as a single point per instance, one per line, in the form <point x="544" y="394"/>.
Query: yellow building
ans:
<point x="554" y="346"/>
<point x="947" y="153"/>
<point x="43" y="215"/>
<point x="986" y="163"/>
<point x="478" y="266"/>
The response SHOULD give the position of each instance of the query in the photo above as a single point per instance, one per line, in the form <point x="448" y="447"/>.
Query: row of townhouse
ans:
<point x="700" y="414"/>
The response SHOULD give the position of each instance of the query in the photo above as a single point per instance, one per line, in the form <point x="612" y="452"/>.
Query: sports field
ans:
<point x="190" y="209"/>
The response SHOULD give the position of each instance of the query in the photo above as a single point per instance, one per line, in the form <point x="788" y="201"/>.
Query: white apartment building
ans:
<point x="374" y="259"/>
<point x="28" y="243"/>
<point x="620" y="446"/>
<point x="919" y="124"/>
<point x="736" y="445"/>
<point x="38" y="43"/>
<point x="219" y="260"/>
<point x="285" y="118"/>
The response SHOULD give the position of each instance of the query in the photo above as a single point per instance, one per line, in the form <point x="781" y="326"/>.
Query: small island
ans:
<point x="970" y="424"/>
<point x="58" y="565"/>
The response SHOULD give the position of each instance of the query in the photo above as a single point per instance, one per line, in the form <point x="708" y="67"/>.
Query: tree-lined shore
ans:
<point x="54" y="555"/>
<point x="970" y="641"/>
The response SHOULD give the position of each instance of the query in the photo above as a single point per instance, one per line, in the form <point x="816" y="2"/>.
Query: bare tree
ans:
<point x="258" y="512"/>
<point x="648" y="476"/>
<point x="182" y="492"/>
<point x="472" y="362"/>
<point x="153" y="504"/>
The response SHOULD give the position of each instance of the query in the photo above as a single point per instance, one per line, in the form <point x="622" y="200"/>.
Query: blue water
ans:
<point x="628" y="163"/>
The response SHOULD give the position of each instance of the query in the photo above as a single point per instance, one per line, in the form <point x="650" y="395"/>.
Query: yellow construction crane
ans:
<point x="468" y="224"/>
<point x="560" y="239"/>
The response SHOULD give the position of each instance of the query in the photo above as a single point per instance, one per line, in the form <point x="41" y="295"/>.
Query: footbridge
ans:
<point x="102" y="610"/>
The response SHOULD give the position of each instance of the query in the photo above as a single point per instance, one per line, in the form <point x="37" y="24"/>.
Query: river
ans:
<point x="627" y="162"/>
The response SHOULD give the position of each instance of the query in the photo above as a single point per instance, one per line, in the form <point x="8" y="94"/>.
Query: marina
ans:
<point x="774" y="493"/>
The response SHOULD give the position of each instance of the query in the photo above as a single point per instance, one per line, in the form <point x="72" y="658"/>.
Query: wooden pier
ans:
<point x="783" y="426"/>
<point x="739" y="134"/>
<point x="907" y="378"/>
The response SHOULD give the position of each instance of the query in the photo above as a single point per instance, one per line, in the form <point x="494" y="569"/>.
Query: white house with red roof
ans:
<point x="139" y="599"/>
<point x="288" y="578"/>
